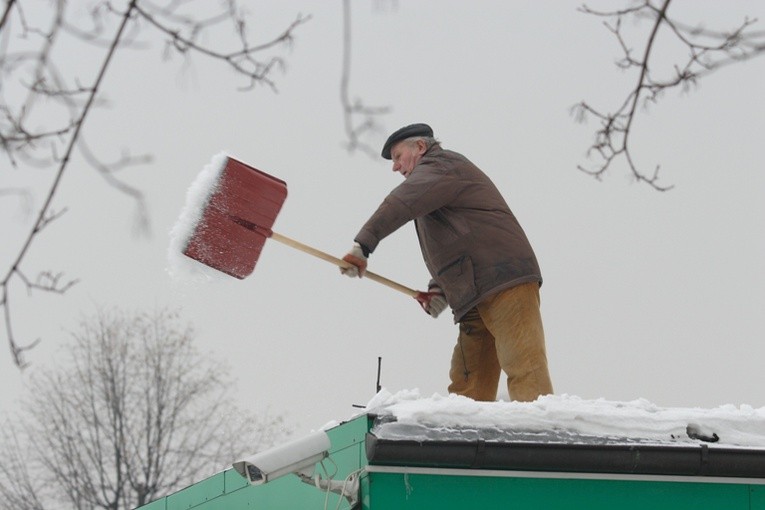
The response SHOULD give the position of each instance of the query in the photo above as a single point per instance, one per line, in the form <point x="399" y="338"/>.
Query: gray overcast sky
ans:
<point x="646" y="295"/>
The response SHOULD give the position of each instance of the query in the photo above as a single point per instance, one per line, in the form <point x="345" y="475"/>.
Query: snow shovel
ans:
<point x="240" y="204"/>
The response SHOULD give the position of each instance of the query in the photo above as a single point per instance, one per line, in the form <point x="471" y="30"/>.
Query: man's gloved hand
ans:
<point x="433" y="301"/>
<point x="357" y="260"/>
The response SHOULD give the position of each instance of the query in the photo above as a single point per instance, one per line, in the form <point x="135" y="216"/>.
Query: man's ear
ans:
<point x="421" y="147"/>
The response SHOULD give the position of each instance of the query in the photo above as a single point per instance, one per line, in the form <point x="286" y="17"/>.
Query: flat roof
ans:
<point x="389" y="443"/>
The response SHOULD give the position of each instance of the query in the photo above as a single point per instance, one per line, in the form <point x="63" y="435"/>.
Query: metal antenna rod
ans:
<point x="379" y="365"/>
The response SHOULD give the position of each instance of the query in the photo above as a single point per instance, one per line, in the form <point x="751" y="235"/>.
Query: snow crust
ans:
<point x="561" y="418"/>
<point x="180" y="267"/>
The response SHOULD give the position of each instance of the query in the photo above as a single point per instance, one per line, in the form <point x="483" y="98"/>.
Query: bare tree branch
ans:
<point x="130" y="413"/>
<point x="43" y="219"/>
<point x="707" y="51"/>
<point x="29" y="65"/>
<point x="352" y="109"/>
<point x="17" y="351"/>
<point x="108" y="170"/>
<point x="243" y="60"/>
<point x="6" y="13"/>
<point x="16" y="482"/>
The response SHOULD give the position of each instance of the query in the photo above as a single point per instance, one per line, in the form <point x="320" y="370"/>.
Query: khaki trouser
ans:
<point x="504" y="332"/>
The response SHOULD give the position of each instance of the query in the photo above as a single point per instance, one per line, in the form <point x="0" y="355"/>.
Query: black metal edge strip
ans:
<point x="692" y="460"/>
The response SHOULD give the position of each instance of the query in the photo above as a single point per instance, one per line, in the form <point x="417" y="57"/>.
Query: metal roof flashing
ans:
<point x="389" y="443"/>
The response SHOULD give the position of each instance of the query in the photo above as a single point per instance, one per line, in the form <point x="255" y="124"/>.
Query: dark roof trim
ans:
<point x="642" y="459"/>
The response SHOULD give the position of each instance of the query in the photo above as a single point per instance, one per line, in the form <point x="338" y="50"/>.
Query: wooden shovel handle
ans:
<point x="343" y="264"/>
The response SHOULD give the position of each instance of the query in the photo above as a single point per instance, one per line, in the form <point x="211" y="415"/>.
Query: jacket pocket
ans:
<point x="446" y="228"/>
<point x="457" y="280"/>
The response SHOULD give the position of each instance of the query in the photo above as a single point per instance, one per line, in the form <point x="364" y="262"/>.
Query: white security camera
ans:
<point x="299" y="456"/>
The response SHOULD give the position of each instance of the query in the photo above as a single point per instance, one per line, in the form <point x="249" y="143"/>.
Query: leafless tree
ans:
<point x="707" y="51"/>
<point x="130" y="413"/>
<point x="36" y="89"/>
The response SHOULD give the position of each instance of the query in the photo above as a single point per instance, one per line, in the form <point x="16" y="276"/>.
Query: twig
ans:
<point x="352" y="109"/>
<point x="44" y="218"/>
<point x="242" y="61"/>
<point x="707" y="51"/>
<point x="24" y="145"/>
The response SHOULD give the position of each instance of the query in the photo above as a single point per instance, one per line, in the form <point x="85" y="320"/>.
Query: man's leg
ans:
<point x="475" y="370"/>
<point x="513" y="317"/>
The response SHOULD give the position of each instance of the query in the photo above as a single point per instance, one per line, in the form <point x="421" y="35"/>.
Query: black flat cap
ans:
<point x="404" y="133"/>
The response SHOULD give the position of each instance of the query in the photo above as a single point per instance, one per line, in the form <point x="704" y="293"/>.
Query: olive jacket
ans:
<point x="472" y="244"/>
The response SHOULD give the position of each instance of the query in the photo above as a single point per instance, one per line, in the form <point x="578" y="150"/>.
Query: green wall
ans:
<point x="230" y="491"/>
<point x="390" y="489"/>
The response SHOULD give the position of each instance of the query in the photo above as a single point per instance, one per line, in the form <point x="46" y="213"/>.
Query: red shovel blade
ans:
<point x="237" y="219"/>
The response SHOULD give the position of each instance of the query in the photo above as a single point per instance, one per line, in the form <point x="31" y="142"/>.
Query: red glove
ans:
<point x="433" y="301"/>
<point x="357" y="261"/>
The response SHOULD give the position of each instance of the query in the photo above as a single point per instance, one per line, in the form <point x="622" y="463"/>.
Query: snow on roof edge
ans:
<point x="639" y="419"/>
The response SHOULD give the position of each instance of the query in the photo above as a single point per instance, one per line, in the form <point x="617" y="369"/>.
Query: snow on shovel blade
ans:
<point x="237" y="219"/>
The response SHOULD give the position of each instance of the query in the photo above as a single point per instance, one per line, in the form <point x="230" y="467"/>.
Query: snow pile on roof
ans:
<point x="558" y="417"/>
<point x="181" y="267"/>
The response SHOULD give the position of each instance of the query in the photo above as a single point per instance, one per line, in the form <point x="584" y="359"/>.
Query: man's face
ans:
<point x="405" y="156"/>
